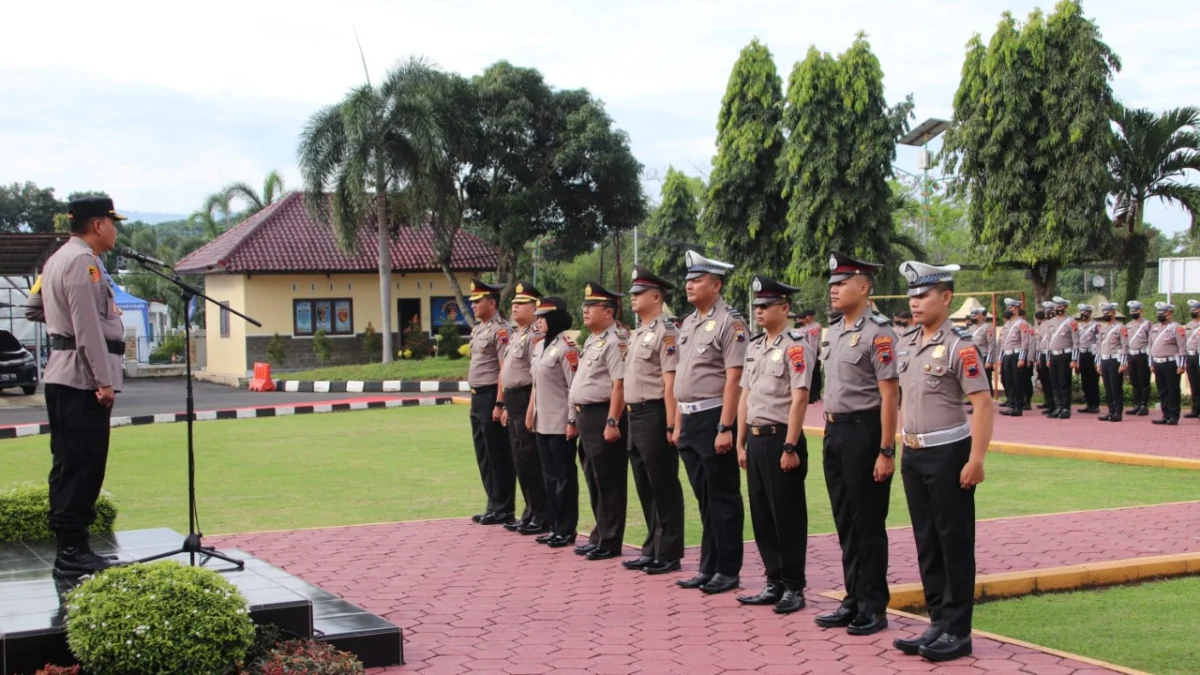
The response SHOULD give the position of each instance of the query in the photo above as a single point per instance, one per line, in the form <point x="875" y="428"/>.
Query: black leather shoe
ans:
<point x="559" y="541"/>
<point x="533" y="528"/>
<point x="1105" y="418"/>
<point x="585" y="548"/>
<point x="911" y="645"/>
<point x="496" y="518"/>
<point x="1064" y="414"/>
<point x="1142" y="412"/>
<point x="867" y="624"/>
<point x="1191" y="415"/>
<point x="639" y="563"/>
<point x="947" y="648"/>
<point x="1161" y="420"/>
<point x="480" y="516"/>
<point x="720" y="583"/>
<point x="77" y="561"/>
<point x="792" y="601"/>
<point x="514" y="526"/>
<point x="769" y="595"/>
<point x="662" y="567"/>
<point x="601" y="554"/>
<point x="545" y="538"/>
<point x="838" y="618"/>
<point x="695" y="582"/>
<point x="1133" y="411"/>
<point x="1115" y="418"/>
<point x="1172" y="422"/>
<point x="1087" y="411"/>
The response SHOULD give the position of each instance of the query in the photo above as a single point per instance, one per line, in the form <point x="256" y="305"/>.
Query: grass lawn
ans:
<point x="440" y="368"/>
<point x="1151" y="626"/>
<point x="415" y="463"/>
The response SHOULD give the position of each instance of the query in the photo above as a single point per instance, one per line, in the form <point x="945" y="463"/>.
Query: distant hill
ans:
<point x="151" y="218"/>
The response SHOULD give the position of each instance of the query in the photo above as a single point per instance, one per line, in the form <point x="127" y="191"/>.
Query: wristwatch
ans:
<point x="571" y="422"/>
<point x="789" y="448"/>
<point x="888" y="452"/>
<point x="670" y="428"/>
<point x="610" y="422"/>
<point x="499" y="404"/>
<point x="722" y="428"/>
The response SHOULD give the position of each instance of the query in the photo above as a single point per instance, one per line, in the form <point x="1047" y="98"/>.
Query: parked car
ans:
<point x="17" y="368"/>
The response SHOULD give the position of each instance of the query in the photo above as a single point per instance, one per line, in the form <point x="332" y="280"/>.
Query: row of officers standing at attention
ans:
<point x="1101" y="350"/>
<point x="708" y="391"/>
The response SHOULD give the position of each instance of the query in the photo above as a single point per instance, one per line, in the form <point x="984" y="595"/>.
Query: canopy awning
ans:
<point x="23" y="253"/>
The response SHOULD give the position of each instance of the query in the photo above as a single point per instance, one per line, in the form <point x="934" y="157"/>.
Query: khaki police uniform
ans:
<point x="1168" y="355"/>
<point x="1062" y="345"/>
<point x="1139" y="358"/>
<point x="711" y="344"/>
<point x="1016" y="347"/>
<point x="654" y="350"/>
<point x="1044" y="324"/>
<point x="86" y="352"/>
<point x="983" y="334"/>
<point x="1113" y="345"/>
<point x="602" y="363"/>
<point x="813" y="331"/>
<point x="493" y="454"/>
<point x="1089" y="348"/>
<point x="517" y="379"/>
<point x="857" y="356"/>
<point x="1192" y="347"/>
<point x="553" y="363"/>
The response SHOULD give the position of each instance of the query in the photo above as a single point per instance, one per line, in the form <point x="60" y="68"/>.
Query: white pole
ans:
<point x="635" y="244"/>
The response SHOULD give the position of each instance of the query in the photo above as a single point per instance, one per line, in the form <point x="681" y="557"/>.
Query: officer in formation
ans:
<point x="650" y="366"/>
<point x="771" y="447"/>
<point x="812" y="328"/>
<point x="489" y="345"/>
<point x="516" y="383"/>
<point x="82" y="376"/>
<point x="1062" y="346"/>
<point x="983" y="334"/>
<point x="554" y="362"/>
<point x="1114" y="348"/>
<point x="597" y="401"/>
<point x="1193" y="356"/>
<point x="1089" y="347"/>
<point x="712" y="348"/>
<point x="902" y="320"/>
<point x="1016" y="353"/>
<point x="1168" y="357"/>
<point x="943" y="457"/>
<point x="1042" y="356"/>
<point x="1139" y="359"/>
<point x="861" y="406"/>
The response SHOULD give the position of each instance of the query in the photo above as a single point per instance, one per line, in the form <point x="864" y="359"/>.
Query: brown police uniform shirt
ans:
<point x="1064" y="337"/>
<point x="1089" y="337"/>
<point x="709" y="344"/>
<point x="774" y="367"/>
<point x="653" y="350"/>
<point x="554" y="367"/>
<point x="601" y="362"/>
<point x="984" y="337"/>
<point x="1019" y="338"/>
<point x="1167" y="340"/>
<point x="934" y="376"/>
<point x="1193" y="338"/>
<point x="78" y="302"/>
<point x="489" y="344"/>
<point x="517" y="358"/>
<point x="855" y="359"/>
<point x="1139" y="335"/>
<point x="1114" y="341"/>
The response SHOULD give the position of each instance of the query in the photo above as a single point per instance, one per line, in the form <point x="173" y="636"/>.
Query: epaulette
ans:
<point x="758" y="337"/>
<point x="911" y="330"/>
<point x="567" y="339"/>
<point x="688" y="315"/>
<point x="881" y="320"/>
<point x="796" y="335"/>
<point x="668" y="322"/>
<point x="733" y="310"/>
<point x="962" y="333"/>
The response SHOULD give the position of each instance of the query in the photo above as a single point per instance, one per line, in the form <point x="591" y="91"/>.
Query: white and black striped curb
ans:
<point x="372" y="387"/>
<point x="21" y="430"/>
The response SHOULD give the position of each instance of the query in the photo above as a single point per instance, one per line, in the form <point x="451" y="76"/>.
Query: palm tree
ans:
<point x="1153" y="157"/>
<point x="365" y="150"/>
<point x="208" y="218"/>
<point x="257" y="201"/>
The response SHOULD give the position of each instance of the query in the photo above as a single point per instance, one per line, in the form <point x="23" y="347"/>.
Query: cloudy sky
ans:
<point x="160" y="109"/>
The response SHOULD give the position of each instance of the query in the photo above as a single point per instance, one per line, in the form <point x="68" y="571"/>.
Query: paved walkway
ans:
<point x="479" y="599"/>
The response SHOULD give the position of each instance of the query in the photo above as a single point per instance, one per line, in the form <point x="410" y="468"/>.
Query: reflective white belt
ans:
<point x="1136" y="352"/>
<point x="1011" y="351"/>
<point x="1165" y="359"/>
<point x="700" y="406"/>
<point x="935" y="438"/>
<point x="1110" y="357"/>
<point x="1192" y="352"/>
<point x="1060" y="352"/>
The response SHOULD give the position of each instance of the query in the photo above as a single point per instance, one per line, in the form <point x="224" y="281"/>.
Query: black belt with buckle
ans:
<point x="852" y="418"/>
<point x="766" y="429"/>
<point x="645" y="405"/>
<point x="65" y="343"/>
<point x="510" y="390"/>
<point x="483" y="389"/>
<point x="583" y="406"/>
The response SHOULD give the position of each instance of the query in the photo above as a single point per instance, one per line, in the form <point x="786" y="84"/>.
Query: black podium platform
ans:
<point x="32" y="618"/>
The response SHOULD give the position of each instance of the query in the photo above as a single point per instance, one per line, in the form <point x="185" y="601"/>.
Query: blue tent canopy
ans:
<point x="129" y="302"/>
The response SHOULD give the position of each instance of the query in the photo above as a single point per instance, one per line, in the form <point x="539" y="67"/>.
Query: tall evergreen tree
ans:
<point x="670" y="229"/>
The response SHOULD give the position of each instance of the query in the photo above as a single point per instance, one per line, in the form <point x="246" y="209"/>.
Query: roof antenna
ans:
<point x="361" y="55"/>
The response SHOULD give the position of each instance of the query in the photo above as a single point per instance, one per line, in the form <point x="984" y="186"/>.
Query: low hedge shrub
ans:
<point x="25" y="513"/>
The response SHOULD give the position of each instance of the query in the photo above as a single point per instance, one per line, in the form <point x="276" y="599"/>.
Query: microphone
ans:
<point x="127" y="252"/>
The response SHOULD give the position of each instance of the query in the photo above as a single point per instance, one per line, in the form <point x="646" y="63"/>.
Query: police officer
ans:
<point x="554" y="363"/>
<point x="598" y="399"/>
<point x="1139" y="359"/>
<point x="813" y="329"/>
<point x="650" y="401"/>
<point x="1168" y="357"/>
<point x="712" y="347"/>
<point x="771" y="445"/>
<point x="861" y="404"/>
<point x="489" y="346"/>
<point x="1044" y="318"/>
<point x="1089" y="347"/>
<point x="1063" y="347"/>
<point x="983" y="334"/>
<point x="1114" y="343"/>
<point x="516" y="381"/>
<point x="81" y="378"/>
<point x="1193" y="357"/>
<point x="943" y="458"/>
<point x="1015" y="352"/>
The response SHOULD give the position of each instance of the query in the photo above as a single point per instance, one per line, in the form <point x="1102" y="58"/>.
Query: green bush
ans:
<point x="25" y="513"/>
<point x="323" y="346"/>
<point x="276" y="351"/>
<point x="163" y="617"/>
<point x="449" y="341"/>
<point x="370" y="343"/>
<point x="171" y="346"/>
<point x="416" y="341"/>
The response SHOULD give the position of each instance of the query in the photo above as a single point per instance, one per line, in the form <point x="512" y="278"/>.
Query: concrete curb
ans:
<point x="22" y="430"/>
<point x="372" y="386"/>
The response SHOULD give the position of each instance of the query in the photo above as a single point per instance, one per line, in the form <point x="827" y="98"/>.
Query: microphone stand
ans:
<point x="192" y="544"/>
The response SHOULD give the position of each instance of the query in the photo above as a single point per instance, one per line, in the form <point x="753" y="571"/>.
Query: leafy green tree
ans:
<point x="671" y="230"/>
<point x="1031" y="142"/>
<point x="1155" y="154"/>
<point x="840" y="199"/>
<point x="28" y="208"/>
<point x="742" y="209"/>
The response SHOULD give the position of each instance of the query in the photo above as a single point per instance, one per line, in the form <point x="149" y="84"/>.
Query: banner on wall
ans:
<point x="446" y="310"/>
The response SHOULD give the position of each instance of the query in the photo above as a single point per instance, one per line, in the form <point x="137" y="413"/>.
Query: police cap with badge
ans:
<point x="769" y="292"/>
<point x="526" y="293"/>
<point x="481" y="290"/>
<point x="843" y="267"/>
<point x="83" y="208"/>
<point x="595" y="294"/>
<point x="645" y="280"/>
<point x="923" y="277"/>
<point x="698" y="266"/>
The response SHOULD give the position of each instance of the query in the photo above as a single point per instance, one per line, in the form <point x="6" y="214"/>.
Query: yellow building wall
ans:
<point x="225" y="355"/>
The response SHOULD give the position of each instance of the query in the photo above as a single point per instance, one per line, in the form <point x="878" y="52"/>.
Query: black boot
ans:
<point x="75" y="558"/>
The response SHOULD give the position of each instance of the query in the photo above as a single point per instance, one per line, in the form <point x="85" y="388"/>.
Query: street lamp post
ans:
<point x="919" y="137"/>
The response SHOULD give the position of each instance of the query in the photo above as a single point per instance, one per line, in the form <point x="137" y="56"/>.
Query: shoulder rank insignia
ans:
<point x="962" y="333"/>
<point x="758" y="337"/>
<point x="881" y="320"/>
<point x="669" y="322"/>
<point x="910" y="331"/>
<point x="796" y="335"/>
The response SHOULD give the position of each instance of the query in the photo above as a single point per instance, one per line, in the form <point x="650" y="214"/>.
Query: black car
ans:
<point x="17" y="368"/>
